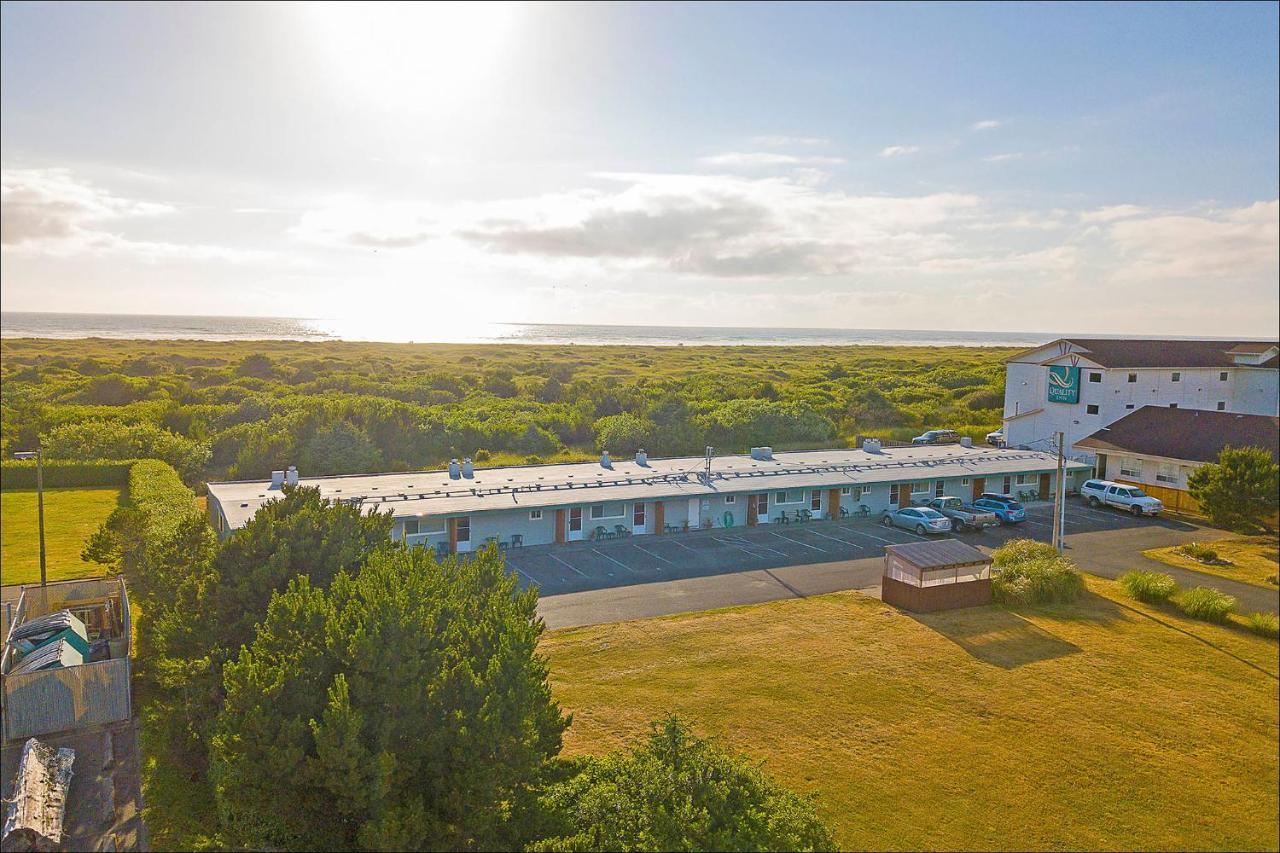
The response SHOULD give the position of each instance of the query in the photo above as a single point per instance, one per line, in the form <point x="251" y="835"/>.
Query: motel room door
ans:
<point x="1044" y="486"/>
<point x="979" y="486"/>
<point x="751" y="510"/>
<point x="575" y="524"/>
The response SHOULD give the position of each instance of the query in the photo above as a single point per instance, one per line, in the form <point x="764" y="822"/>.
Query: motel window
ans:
<point x="790" y="496"/>
<point x="1222" y="377"/>
<point x="535" y="515"/>
<point x="1129" y="405"/>
<point x="965" y="481"/>
<point x="637" y="515"/>
<point x="1133" y="377"/>
<point x="575" y="519"/>
<point x="939" y="488"/>
<point x="1222" y="407"/>
<point x="464" y="529"/>
<point x="731" y="499"/>
<point x="609" y="510"/>
<point x="1091" y="409"/>
<point x="411" y="527"/>
<point x="1167" y="473"/>
<point x="845" y="491"/>
<point x="1023" y="479"/>
<point x="1130" y="467"/>
<point x="866" y="490"/>
<point x="1173" y="405"/>
<point x="920" y="488"/>
<point x="815" y="500"/>
<point x="1008" y="485"/>
<point x="1177" y="377"/>
<point x="1095" y="377"/>
<point x="893" y="494"/>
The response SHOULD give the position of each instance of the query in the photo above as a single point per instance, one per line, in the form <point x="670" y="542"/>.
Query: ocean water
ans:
<point x="165" y="327"/>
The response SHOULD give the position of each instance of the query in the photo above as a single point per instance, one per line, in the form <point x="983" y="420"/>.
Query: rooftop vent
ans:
<point x="642" y="458"/>
<point x="604" y="460"/>
<point x="291" y="476"/>
<point x="277" y="479"/>
<point x="454" y="471"/>
<point x="871" y="445"/>
<point x="965" y="441"/>
<point x="468" y="470"/>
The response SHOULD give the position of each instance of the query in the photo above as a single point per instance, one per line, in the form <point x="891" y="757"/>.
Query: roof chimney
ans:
<point x="277" y="479"/>
<point x="604" y="459"/>
<point x="291" y="476"/>
<point x="468" y="470"/>
<point x="454" y="471"/>
<point x="642" y="458"/>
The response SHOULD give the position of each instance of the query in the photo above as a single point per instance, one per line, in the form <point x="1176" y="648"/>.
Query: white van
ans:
<point x="1121" y="496"/>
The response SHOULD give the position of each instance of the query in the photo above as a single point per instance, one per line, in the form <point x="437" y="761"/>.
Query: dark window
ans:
<point x="893" y="494"/>
<point x="1222" y="377"/>
<point x="1173" y="405"/>
<point x="464" y="530"/>
<point x="575" y="519"/>
<point x="1222" y="407"/>
<point x="1008" y="483"/>
<point x="1177" y="377"/>
<point x="1133" y="377"/>
<point x="1092" y="409"/>
<point x="1095" y="377"/>
<point x="637" y="515"/>
<point x="411" y="527"/>
<point x="939" y="488"/>
<point x="815" y="500"/>
<point x="1129" y="406"/>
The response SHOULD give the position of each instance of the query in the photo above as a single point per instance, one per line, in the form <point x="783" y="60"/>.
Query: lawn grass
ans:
<point x="70" y="516"/>
<point x="1248" y="559"/>
<point x="1103" y="724"/>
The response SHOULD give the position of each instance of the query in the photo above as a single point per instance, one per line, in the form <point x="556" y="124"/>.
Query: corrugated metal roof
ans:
<point x="939" y="553"/>
<point x="433" y="493"/>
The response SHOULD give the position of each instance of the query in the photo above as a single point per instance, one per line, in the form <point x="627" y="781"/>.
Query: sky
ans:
<point x="1101" y="168"/>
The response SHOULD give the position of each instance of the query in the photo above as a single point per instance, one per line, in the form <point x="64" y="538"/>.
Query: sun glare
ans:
<point x="407" y="54"/>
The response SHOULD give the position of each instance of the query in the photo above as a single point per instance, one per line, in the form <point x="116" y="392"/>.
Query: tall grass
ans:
<point x="1030" y="572"/>
<point x="1264" y="624"/>
<point x="1203" y="553"/>
<point x="1207" y="604"/>
<point x="1152" y="587"/>
<point x="1021" y="550"/>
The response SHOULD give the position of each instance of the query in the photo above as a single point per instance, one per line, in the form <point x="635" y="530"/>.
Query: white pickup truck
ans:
<point x="963" y="517"/>
<point x="1121" y="496"/>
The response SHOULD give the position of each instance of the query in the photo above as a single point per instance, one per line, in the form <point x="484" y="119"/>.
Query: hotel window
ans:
<point x="893" y="494"/>
<point x="463" y="529"/>
<point x="939" y="488"/>
<point x="731" y="499"/>
<point x="1167" y="473"/>
<point x="1130" y="467"/>
<point x="790" y="496"/>
<point x="866" y="491"/>
<point x="1222" y="407"/>
<point x="1128" y="405"/>
<point x="921" y="488"/>
<point x="845" y="491"/>
<point x="411" y="527"/>
<point x="1173" y="405"/>
<point x="1222" y="377"/>
<point x="1008" y="485"/>
<point x="535" y="515"/>
<point x="1022" y="479"/>
<point x="1133" y="377"/>
<point x="1091" y="409"/>
<point x="1095" y="377"/>
<point x="965" y="481"/>
<point x="815" y="500"/>
<point x="609" y="510"/>
<point x="1177" y="377"/>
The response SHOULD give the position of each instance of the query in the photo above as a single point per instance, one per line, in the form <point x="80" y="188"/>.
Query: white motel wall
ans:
<point x="544" y="504"/>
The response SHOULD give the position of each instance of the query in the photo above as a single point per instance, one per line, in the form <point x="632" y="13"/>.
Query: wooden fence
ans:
<point x="56" y="700"/>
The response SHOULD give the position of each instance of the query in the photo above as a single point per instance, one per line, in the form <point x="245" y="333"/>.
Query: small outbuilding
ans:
<point x="935" y="575"/>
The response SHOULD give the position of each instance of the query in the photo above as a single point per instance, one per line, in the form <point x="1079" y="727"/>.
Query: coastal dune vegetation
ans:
<point x="242" y="409"/>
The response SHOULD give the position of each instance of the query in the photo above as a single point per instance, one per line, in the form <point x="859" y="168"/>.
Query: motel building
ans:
<point x="457" y="510"/>
<point x="1078" y="386"/>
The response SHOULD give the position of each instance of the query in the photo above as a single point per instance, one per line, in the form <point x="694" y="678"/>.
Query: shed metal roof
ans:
<point x="433" y="493"/>
<point x="939" y="554"/>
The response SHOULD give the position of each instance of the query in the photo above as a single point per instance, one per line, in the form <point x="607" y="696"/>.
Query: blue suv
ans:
<point x="1006" y="508"/>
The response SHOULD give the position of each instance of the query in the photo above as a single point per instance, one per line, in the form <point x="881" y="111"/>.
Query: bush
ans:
<point x="1264" y="624"/>
<point x="1020" y="550"/>
<point x="63" y="473"/>
<point x="156" y="490"/>
<point x="1041" y="580"/>
<point x="1196" y="551"/>
<point x="1207" y="604"/>
<point x="1152" y="587"/>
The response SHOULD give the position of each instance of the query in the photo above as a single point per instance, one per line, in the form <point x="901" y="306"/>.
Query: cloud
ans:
<point x="898" y="150"/>
<point x="1234" y="244"/>
<point x="789" y="141"/>
<point x="765" y="159"/>
<point x="369" y="226"/>
<point x="1003" y="158"/>
<point x="985" y="124"/>
<point x="1114" y="212"/>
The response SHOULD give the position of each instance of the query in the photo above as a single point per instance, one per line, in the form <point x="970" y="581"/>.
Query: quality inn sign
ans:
<point x="1064" y="384"/>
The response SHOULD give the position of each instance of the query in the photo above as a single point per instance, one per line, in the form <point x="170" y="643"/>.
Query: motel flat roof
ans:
<point x="433" y="493"/>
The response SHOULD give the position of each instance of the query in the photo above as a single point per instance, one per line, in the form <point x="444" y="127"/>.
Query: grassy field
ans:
<point x="1250" y="559"/>
<point x="1098" y="725"/>
<point x="70" y="516"/>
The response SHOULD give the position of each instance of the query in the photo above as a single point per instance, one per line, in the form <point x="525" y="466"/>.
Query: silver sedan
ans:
<point x="918" y="518"/>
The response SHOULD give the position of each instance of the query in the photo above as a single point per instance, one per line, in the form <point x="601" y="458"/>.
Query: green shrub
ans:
<point x="1040" y="580"/>
<point x="1207" y="604"/>
<point x="1196" y="551"/>
<point x="1264" y="624"/>
<point x="1151" y="587"/>
<point x="64" y="473"/>
<point x="156" y="490"/>
<point x="1021" y="550"/>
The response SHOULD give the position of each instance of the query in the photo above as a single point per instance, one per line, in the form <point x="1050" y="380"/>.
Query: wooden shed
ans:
<point x="935" y="575"/>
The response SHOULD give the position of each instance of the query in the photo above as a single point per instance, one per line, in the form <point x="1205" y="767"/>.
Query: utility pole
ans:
<point x="706" y="477"/>
<point x="1059" y="497"/>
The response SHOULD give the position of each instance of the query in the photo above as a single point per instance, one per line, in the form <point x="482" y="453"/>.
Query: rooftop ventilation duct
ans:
<point x="642" y="458"/>
<point x="604" y="459"/>
<point x="454" y="471"/>
<point x="965" y="441"/>
<point x="277" y="479"/>
<point x="755" y="453"/>
<point x="468" y="470"/>
<point x="871" y="445"/>
<point x="766" y="452"/>
<point x="291" y="476"/>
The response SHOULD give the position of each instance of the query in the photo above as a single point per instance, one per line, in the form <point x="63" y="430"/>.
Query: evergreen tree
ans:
<point x="1239" y="492"/>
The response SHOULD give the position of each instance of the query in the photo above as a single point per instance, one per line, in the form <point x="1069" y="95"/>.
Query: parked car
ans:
<point x="921" y="519"/>
<point x="1006" y="507"/>
<point x="937" y="436"/>
<point x="1121" y="496"/>
<point x="996" y="437"/>
<point x="964" y="517"/>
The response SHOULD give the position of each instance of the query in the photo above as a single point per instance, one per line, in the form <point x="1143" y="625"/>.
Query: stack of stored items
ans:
<point x="48" y="642"/>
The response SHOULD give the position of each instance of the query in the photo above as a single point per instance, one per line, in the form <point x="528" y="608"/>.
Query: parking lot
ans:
<point x="579" y="566"/>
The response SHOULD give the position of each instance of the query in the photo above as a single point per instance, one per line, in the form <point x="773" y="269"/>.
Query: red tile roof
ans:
<point x="1189" y="434"/>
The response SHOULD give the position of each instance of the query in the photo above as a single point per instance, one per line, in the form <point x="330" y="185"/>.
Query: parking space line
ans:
<point x="612" y="560"/>
<point x="747" y="545"/>
<point x="680" y="545"/>
<point x="566" y="565"/>
<point x="872" y="536"/>
<point x="651" y="554"/>
<point x="832" y="538"/>
<point x="798" y="542"/>
<point x="521" y="571"/>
